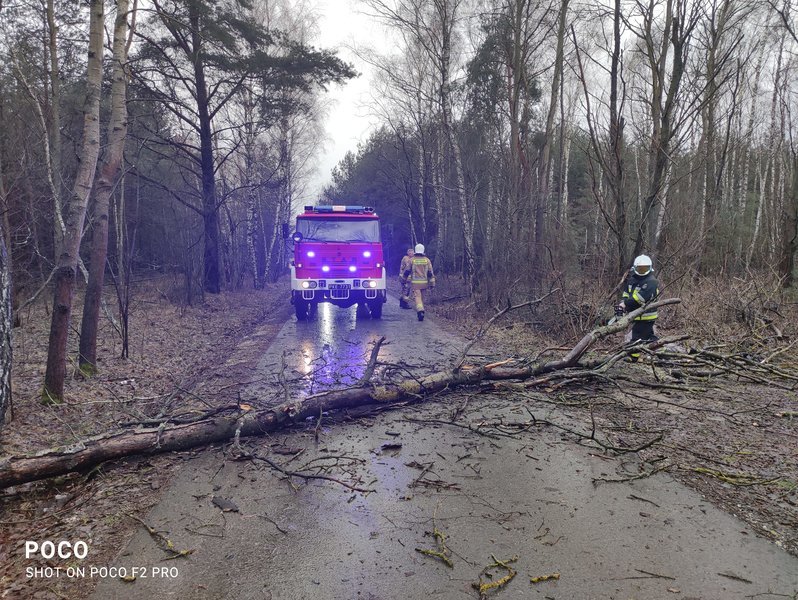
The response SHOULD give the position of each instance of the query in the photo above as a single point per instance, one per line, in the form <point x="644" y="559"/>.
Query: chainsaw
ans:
<point x="619" y="312"/>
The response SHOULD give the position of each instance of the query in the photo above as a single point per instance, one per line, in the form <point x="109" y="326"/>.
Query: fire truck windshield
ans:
<point x="339" y="230"/>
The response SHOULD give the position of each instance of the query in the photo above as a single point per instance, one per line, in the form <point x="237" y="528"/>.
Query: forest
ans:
<point x="155" y="153"/>
<point x="570" y="136"/>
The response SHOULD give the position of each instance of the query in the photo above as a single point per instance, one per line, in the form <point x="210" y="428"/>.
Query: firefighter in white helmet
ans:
<point x="421" y="277"/>
<point x="641" y="287"/>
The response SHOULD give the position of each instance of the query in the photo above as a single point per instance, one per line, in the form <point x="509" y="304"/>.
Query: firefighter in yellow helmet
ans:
<point x="405" y="267"/>
<point x="421" y="277"/>
<point x="641" y="287"/>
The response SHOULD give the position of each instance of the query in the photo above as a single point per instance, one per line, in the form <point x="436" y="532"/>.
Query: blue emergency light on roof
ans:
<point x="340" y="208"/>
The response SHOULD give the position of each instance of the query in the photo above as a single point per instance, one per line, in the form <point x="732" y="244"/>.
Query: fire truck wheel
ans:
<point x="301" y="308"/>
<point x="362" y="310"/>
<point x="376" y="309"/>
<point x="313" y="308"/>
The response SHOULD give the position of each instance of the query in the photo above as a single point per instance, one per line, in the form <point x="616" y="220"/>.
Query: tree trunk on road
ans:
<point x="219" y="426"/>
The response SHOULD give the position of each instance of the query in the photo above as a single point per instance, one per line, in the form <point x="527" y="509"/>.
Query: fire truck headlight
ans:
<point x="305" y="284"/>
<point x="311" y="254"/>
<point x="367" y="254"/>
<point x="326" y="268"/>
<point x="372" y="284"/>
<point x="352" y="268"/>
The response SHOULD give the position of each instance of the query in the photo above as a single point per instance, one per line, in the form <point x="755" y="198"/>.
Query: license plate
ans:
<point x="339" y="286"/>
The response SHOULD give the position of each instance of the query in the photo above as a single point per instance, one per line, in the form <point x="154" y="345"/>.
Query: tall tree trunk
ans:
<point x="715" y="154"/>
<point x="6" y="325"/>
<point x="124" y="249"/>
<point x="514" y="84"/>
<point x="758" y="218"/>
<point x="76" y="213"/>
<point x="546" y="160"/>
<point x="616" y="173"/>
<point x="211" y="280"/>
<point x="747" y="142"/>
<point x="53" y="132"/>
<point x="675" y="34"/>
<point x="252" y="222"/>
<point x="106" y="183"/>
<point x="422" y="211"/>
<point x="447" y="18"/>
<point x="790" y="233"/>
<point x="6" y="301"/>
<point x="441" y="256"/>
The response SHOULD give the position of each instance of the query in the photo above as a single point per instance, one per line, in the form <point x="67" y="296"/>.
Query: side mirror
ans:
<point x="286" y="231"/>
<point x="297" y="236"/>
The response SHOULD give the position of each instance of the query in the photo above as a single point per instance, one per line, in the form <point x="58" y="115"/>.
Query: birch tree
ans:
<point x="106" y="182"/>
<point x="6" y="313"/>
<point x="67" y="263"/>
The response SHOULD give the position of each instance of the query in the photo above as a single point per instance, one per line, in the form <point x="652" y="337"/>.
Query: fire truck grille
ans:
<point x="339" y="294"/>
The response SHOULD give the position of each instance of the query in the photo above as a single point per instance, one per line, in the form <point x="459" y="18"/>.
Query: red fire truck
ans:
<point x="337" y="259"/>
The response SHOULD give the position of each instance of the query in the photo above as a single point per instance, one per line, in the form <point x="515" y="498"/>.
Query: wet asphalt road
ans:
<point x="531" y="497"/>
<point x="331" y="349"/>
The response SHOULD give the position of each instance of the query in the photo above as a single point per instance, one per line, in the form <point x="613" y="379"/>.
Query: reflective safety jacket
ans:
<point x="407" y="265"/>
<point x="421" y="272"/>
<point x="639" y="290"/>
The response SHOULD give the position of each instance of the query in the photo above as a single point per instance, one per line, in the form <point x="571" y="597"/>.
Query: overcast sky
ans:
<point x="348" y="122"/>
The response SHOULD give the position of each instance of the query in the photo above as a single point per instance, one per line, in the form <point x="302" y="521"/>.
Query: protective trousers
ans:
<point x="406" y="289"/>
<point x="642" y="330"/>
<point x="418" y="297"/>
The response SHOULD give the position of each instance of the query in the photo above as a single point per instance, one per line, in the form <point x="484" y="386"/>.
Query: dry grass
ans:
<point x="753" y="314"/>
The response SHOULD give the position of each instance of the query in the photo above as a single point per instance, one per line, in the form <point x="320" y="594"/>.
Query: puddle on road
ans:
<point x="332" y="349"/>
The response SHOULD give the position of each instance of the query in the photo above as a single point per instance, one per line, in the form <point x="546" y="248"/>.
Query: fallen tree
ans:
<point x="238" y="420"/>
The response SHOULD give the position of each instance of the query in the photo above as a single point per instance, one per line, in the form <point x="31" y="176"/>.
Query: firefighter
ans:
<point x="641" y="287"/>
<point x="407" y="264"/>
<point x="421" y="277"/>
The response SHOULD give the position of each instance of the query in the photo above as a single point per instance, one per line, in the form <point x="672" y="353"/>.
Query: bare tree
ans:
<point x="789" y="246"/>
<point x="610" y="158"/>
<point x="106" y="182"/>
<point x="547" y="159"/>
<point x="6" y="313"/>
<point x="76" y="213"/>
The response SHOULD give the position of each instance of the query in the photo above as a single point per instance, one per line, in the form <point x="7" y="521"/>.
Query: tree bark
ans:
<point x="616" y="170"/>
<point x="210" y="211"/>
<point x="6" y="322"/>
<point x="53" y="132"/>
<point x="790" y="234"/>
<point x="547" y="160"/>
<point x="106" y="183"/>
<point x="76" y="214"/>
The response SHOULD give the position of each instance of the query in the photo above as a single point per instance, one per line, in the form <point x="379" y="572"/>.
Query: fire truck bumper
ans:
<point x="339" y="291"/>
